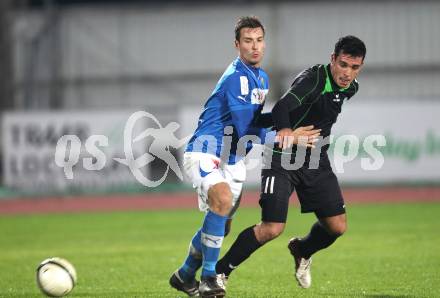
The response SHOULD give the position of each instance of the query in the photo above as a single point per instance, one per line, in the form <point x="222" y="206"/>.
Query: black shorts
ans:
<point x="317" y="189"/>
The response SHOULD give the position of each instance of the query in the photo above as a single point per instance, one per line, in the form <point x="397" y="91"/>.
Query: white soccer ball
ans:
<point x="56" y="277"/>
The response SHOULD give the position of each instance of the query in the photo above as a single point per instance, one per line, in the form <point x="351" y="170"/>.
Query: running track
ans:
<point x="153" y="201"/>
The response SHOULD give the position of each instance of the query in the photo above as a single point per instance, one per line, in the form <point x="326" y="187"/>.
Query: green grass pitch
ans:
<point x="390" y="250"/>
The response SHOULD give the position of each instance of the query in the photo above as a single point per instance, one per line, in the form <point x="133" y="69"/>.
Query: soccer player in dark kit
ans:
<point x="313" y="102"/>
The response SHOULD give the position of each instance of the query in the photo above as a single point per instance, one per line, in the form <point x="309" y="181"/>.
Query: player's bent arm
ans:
<point x="280" y="113"/>
<point x="264" y="120"/>
<point x="303" y="86"/>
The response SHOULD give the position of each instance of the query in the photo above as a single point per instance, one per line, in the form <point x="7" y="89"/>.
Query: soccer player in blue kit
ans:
<point x="214" y="157"/>
<point x="215" y="166"/>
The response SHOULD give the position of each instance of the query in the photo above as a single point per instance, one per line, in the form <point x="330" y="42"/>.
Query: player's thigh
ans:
<point x="276" y="188"/>
<point x="319" y="192"/>
<point x="235" y="175"/>
<point x="203" y="171"/>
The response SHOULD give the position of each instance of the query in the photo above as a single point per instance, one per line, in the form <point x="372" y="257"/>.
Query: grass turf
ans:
<point x="389" y="251"/>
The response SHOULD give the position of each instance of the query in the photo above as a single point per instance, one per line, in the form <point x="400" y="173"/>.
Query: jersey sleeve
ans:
<point x="298" y="94"/>
<point x="264" y="120"/>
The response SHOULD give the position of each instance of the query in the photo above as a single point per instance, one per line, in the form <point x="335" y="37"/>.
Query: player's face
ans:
<point x="251" y="46"/>
<point x="345" y="68"/>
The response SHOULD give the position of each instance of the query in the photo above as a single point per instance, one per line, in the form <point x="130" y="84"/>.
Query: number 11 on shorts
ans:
<point x="268" y="186"/>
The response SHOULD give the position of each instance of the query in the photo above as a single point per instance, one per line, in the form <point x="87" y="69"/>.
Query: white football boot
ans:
<point x="302" y="266"/>
<point x="212" y="286"/>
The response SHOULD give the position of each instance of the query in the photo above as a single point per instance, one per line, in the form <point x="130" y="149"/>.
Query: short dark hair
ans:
<point x="350" y="45"/>
<point x="247" y="22"/>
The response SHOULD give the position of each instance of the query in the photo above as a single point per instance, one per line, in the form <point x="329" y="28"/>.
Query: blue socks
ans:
<point x="204" y="248"/>
<point x="213" y="232"/>
<point x="194" y="259"/>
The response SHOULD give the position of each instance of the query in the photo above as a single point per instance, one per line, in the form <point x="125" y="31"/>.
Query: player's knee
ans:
<point x="274" y="230"/>
<point x="336" y="225"/>
<point x="268" y="231"/>
<point x="220" y="198"/>
<point x="338" y="229"/>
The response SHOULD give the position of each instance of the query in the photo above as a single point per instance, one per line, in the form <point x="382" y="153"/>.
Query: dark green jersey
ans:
<point x="313" y="99"/>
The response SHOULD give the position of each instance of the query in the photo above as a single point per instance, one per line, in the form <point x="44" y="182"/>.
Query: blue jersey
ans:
<point x="231" y="112"/>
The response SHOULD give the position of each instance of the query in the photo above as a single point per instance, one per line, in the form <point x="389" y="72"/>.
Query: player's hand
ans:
<point x="303" y="136"/>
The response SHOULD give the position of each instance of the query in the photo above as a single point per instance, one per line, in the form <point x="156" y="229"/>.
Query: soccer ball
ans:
<point x="56" y="277"/>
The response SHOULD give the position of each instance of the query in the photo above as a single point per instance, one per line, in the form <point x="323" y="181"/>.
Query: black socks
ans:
<point x="245" y="244"/>
<point x="317" y="239"/>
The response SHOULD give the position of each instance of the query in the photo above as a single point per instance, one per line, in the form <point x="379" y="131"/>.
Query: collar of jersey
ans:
<point x="247" y="67"/>
<point x="330" y="85"/>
